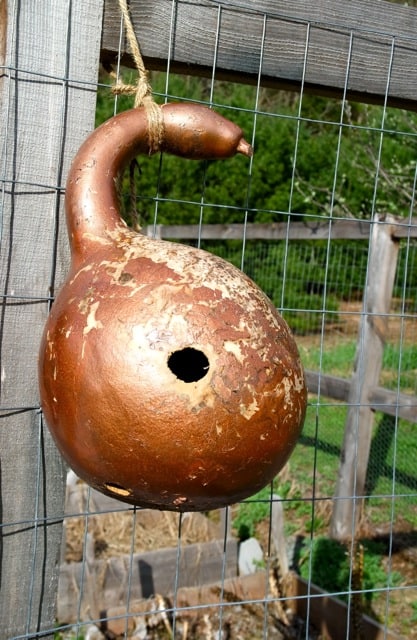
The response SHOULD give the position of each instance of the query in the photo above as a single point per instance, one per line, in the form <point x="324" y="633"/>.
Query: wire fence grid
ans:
<point x="129" y="572"/>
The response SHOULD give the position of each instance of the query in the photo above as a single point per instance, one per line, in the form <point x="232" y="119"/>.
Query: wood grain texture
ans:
<point x="349" y="229"/>
<point x="368" y="47"/>
<point x="44" y="119"/>
<point x="3" y="31"/>
<point x="390" y="402"/>
<point x="150" y="573"/>
<point x="373" y="333"/>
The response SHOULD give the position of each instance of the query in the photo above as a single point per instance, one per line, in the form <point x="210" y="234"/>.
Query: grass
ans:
<point x="391" y="469"/>
<point x="399" y="366"/>
<point x="251" y="513"/>
<point x="336" y="359"/>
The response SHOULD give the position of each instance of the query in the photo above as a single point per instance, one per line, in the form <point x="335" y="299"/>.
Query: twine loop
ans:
<point x="142" y="90"/>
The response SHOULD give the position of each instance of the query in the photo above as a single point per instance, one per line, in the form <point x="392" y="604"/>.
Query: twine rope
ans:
<point x="142" y="90"/>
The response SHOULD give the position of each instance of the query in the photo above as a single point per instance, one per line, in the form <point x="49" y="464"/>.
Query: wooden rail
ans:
<point x="390" y="402"/>
<point x="339" y="229"/>
<point x="368" y="47"/>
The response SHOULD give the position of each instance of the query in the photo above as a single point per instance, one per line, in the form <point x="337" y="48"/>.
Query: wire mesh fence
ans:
<point x="269" y="566"/>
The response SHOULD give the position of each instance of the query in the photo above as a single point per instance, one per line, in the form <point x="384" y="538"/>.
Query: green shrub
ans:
<point x="331" y="562"/>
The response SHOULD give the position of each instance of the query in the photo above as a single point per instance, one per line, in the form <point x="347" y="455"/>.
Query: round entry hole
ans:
<point x="189" y="365"/>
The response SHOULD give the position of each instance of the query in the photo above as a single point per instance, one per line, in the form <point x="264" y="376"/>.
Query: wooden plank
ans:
<point x="193" y="603"/>
<point x="327" y="385"/>
<point x="339" y="229"/>
<point x="43" y="120"/>
<point x="363" y="44"/>
<point x="350" y="489"/>
<point x="394" y="404"/>
<point x="326" y="613"/>
<point x="390" y="402"/>
<point x="142" y="575"/>
<point x="405" y="228"/>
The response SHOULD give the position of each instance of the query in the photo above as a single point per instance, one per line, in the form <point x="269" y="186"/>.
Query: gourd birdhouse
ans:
<point x="167" y="377"/>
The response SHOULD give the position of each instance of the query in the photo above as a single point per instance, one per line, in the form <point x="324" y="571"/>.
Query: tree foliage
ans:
<point x="314" y="158"/>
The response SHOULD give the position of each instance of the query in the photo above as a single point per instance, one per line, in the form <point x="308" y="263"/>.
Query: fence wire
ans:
<point x="262" y="568"/>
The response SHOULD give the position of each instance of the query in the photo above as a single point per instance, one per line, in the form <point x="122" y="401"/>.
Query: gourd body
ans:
<point x="167" y="377"/>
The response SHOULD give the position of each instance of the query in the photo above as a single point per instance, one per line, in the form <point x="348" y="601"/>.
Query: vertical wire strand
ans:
<point x="254" y="129"/>
<point x="36" y="518"/>
<point x="361" y="337"/>
<point x="170" y="45"/>
<point x="167" y="78"/>
<point x="84" y="568"/>
<point x="398" y="391"/>
<point x="290" y="205"/>
<point x="118" y="63"/>
<point x="247" y="205"/>
<point x="61" y="155"/>
<point x="213" y="76"/>
<point x="268" y="563"/>
<point x="223" y="570"/>
<point x="226" y="511"/>
<point x="12" y="111"/>
<point x="177" y="576"/>
<point x="370" y="249"/>
<point x="10" y="36"/>
<point x="60" y="163"/>
<point x="326" y="275"/>
<point x="294" y="166"/>
<point x="130" y="569"/>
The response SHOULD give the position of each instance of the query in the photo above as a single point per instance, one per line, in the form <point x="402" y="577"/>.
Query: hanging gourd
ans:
<point x="167" y="377"/>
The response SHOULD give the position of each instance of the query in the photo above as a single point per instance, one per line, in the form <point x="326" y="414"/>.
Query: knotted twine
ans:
<point x="142" y="90"/>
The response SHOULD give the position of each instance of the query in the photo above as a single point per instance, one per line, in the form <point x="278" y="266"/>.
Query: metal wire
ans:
<point x="320" y="405"/>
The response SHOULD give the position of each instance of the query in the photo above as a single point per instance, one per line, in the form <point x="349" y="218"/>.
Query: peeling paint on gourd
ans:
<point x="167" y="377"/>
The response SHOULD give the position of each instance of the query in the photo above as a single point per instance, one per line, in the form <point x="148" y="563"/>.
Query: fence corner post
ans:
<point x="373" y="329"/>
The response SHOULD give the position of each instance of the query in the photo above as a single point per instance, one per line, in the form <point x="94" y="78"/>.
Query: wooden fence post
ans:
<point x="47" y="106"/>
<point x="373" y="328"/>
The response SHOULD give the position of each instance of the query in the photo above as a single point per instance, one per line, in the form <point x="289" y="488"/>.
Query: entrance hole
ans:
<point x="189" y="365"/>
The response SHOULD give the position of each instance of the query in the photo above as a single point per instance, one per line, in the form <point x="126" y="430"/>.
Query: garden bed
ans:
<point x="137" y="558"/>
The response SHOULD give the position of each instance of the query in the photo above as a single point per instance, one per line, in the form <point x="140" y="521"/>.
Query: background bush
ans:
<point x="310" y="164"/>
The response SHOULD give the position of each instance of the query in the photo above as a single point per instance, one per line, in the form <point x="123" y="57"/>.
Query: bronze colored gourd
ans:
<point x="167" y="377"/>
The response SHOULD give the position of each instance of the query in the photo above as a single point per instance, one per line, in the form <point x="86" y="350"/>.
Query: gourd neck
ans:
<point x="188" y="131"/>
<point x="92" y="202"/>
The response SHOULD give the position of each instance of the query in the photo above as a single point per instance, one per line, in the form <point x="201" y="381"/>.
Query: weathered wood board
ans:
<point x="47" y="105"/>
<point x="140" y="576"/>
<point x="367" y="47"/>
<point x="373" y="333"/>
<point x="338" y="229"/>
<point x="390" y="402"/>
<point x="326" y="614"/>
